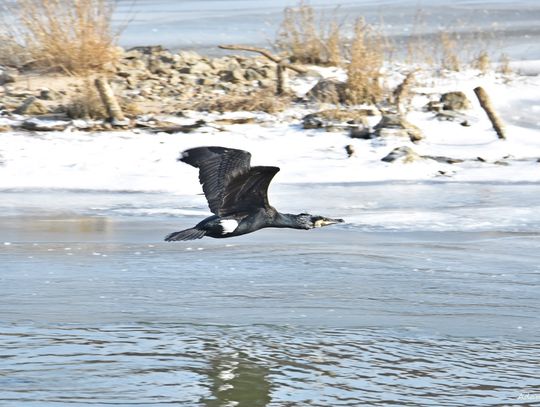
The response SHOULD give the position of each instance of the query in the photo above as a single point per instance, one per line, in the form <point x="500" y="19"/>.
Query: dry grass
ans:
<point x="504" y="65"/>
<point x="308" y="39"/>
<point x="86" y="103"/>
<point x="482" y="62"/>
<point x="450" y="46"/>
<point x="364" y="83"/>
<point x="260" y="101"/>
<point x="72" y="36"/>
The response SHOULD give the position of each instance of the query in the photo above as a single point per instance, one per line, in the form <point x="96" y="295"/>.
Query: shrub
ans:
<point x="307" y="39"/>
<point x="72" y="36"/>
<point x="364" y="69"/>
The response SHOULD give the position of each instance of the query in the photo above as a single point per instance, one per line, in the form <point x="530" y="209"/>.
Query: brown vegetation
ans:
<point x="263" y="100"/>
<point x="364" y="75"/>
<point x="308" y="39"/>
<point x="71" y="36"/>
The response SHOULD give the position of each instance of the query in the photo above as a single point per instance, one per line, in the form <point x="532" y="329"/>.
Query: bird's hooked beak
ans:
<point x="320" y="221"/>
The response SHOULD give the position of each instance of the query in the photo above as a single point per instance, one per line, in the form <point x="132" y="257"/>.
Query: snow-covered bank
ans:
<point x="136" y="160"/>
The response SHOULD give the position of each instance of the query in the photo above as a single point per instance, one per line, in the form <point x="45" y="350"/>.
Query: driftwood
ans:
<point x="485" y="102"/>
<point x="282" y="86"/>
<point x="109" y="101"/>
<point x="282" y="76"/>
<point x="267" y="54"/>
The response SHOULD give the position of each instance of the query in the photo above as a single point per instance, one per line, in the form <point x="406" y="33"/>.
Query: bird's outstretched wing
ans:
<point x="249" y="191"/>
<point x="229" y="183"/>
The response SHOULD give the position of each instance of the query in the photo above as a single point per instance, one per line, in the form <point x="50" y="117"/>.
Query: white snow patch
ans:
<point x="137" y="161"/>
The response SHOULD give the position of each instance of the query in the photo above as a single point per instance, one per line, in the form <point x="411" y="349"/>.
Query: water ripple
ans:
<point x="259" y="366"/>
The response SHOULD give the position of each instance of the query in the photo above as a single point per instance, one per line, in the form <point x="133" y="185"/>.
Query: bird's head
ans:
<point x="307" y="221"/>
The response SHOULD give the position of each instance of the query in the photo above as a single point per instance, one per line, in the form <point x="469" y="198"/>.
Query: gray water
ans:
<point x="512" y="28"/>
<point x="428" y="295"/>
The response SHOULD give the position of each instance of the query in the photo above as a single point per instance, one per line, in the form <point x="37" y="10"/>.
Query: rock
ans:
<point x="403" y="154"/>
<point x="144" y="50"/>
<point x="361" y="132"/>
<point x="443" y="159"/>
<point x="199" y="68"/>
<point x="44" y="125"/>
<point x="450" y="116"/>
<point x="7" y="76"/>
<point x="455" y="101"/>
<point x="327" y="91"/>
<point x="336" y="119"/>
<point x="233" y="76"/>
<point x="414" y="132"/>
<point x="31" y="106"/>
<point x="167" y="58"/>
<point x="434" y="106"/>
<point x="158" y="67"/>
<point x="252" y="75"/>
<point x="49" y="94"/>
<point x="266" y="83"/>
<point x="312" y="121"/>
<point x="396" y="125"/>
<point x="350" y="150"/>
<point x="188" y="57"/>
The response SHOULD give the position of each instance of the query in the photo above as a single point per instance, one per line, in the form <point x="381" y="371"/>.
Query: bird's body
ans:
<point x="237" y="195"/>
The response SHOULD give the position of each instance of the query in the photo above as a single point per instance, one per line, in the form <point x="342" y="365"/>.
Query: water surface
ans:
<point x="427" y="296"/>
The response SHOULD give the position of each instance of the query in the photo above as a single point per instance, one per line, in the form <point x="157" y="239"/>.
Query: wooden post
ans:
<point x="485" y="102"/>
<point x="282" y="76"/>
<point x="109" y="100"/>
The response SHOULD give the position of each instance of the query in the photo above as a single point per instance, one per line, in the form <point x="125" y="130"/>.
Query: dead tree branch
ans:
<point x="267" y="54"/>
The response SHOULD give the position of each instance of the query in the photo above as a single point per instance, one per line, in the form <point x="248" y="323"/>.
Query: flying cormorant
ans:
<point x="237" y="195"/>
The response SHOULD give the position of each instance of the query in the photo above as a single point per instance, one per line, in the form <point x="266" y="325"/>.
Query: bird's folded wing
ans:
<point x="247" y="192"/>
<point x="218" y="168"/>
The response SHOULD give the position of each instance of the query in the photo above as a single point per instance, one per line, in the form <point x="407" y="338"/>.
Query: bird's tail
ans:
<point x="188" y="234"/>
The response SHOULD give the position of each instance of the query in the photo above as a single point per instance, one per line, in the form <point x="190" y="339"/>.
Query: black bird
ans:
<point x="237" y="195"/>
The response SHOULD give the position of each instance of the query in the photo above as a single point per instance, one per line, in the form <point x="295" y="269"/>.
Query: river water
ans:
<point x="497" y="26"/>
<point x="428" y="295"/>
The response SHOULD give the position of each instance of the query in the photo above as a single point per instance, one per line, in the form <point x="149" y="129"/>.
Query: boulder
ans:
<point x="327" y="91"/>
<point x="455" y="101"/>
<point x="395" y="125"/>
<point x="402" y="154"/>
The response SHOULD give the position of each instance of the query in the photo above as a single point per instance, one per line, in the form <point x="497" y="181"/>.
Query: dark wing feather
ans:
<point x="218" y="167"/>
<point x="248" y="191"/>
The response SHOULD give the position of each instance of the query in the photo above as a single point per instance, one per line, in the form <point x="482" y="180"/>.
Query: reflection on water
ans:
<point x="80" y="225"/>
<point x="258" y="366"/>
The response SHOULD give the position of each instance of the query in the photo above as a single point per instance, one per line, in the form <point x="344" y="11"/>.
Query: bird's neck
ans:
<point x="286" y="220"/>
